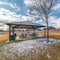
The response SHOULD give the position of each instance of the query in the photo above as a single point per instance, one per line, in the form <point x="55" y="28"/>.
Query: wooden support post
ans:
<point x="13" y="31"/>
<point x="9" y="32"/>
<point x="34" y="31"/>
<point x="34" y="34"/>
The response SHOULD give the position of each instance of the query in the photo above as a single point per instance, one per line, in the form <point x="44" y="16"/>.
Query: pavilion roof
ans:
<point x="25" y="24"/>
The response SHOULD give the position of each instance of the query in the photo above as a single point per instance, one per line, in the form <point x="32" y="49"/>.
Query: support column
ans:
<point x="34" y="34"/>
<point x="33" y="31"/>
<point x="13" y="31"/>
<point x="9" y="32"/>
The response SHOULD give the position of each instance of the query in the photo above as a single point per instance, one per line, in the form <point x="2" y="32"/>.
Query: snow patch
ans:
<point x="23" y="48"/>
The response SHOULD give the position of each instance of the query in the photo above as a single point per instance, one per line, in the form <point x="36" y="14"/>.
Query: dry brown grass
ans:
<point x="4" y="37"/>
<point x="56" y="35"/>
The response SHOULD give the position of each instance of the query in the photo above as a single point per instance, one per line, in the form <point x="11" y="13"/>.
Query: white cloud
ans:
<point x="52" y="19"/>
<point x="28" y="2"/>
<point x="8" y="16"/>
<point x="11" y="5"/>
<point x="4" y="27"/>
<point x="57" y="6"/>
<point x="55" y="21"/>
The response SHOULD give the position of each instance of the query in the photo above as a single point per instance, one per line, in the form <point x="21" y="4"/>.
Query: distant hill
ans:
<point x="50" y="28"/>
<point x="1" y="30"/>
<point x="58" y="28"/>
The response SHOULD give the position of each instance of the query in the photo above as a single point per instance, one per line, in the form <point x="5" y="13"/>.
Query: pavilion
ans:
<point x="22" y="25"/>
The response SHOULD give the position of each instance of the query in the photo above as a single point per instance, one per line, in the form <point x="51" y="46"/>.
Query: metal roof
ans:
<point x="25" y="24"/>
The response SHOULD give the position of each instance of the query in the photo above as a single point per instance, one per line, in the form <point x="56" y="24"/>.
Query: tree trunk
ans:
<point x="44" y="33"/>
<point x="47" y="33"/>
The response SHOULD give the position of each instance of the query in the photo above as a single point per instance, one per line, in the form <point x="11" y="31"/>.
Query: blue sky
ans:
<point x="16" y="10"/>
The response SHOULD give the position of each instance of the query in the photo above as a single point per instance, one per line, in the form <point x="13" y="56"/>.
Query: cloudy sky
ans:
<point x="16" y="10"/>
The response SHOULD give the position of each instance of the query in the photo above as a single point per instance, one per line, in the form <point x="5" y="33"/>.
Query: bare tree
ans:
<point x="43" y="8"/>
